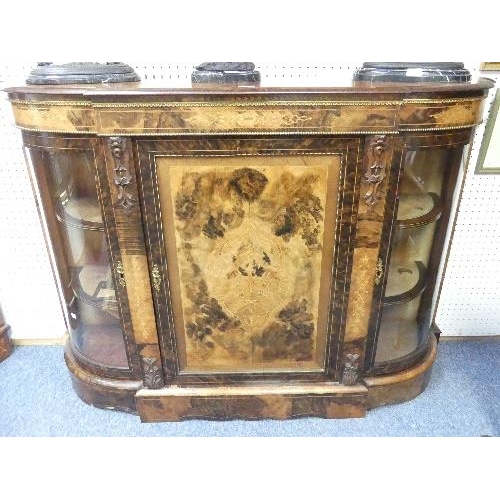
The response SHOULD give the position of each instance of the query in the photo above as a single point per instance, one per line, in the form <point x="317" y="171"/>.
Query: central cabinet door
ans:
<point x="249" y="247"/>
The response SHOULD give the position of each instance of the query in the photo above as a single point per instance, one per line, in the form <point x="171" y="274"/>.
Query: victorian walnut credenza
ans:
<point x="248" y="252"/>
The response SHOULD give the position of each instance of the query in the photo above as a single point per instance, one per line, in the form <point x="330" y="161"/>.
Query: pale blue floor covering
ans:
<point x="462" y="399"/>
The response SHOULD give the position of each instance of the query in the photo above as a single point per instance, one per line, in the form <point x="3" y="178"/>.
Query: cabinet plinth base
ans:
<point x="401" y="386"/>
<point x="106" y="393"/>
<point x="5" y="343"/>
<point x="252" y="402"/>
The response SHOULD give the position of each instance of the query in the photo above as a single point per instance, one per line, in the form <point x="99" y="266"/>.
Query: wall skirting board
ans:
<point x="50" y="341"/>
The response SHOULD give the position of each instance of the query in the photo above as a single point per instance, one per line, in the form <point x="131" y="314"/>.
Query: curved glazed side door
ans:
<point x="251" y="244"/>
<point x="69" y="176"/>
<point x="414" y="254"/>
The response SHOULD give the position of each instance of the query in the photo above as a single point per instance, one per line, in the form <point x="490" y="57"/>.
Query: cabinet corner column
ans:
<point x="367" y="268"/>
<point x="131" y="266"/>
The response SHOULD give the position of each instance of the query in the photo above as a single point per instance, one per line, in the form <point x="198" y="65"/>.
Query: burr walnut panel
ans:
<point x="441" y="114"/>
<point x="247" y="402"/>
<point x="193" y="119"/>
<point x="249" y="245"/>
<point x="67" y="117"/>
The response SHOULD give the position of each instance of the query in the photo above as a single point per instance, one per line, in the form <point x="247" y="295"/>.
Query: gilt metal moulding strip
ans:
<point x="231" y="104"/>
<point x="230" y="132"/>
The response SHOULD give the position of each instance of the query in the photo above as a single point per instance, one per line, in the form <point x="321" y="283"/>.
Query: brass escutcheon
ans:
<point x="120" y="273"/>
<point x="379" y="272"/>
<point x="156" y="277"/>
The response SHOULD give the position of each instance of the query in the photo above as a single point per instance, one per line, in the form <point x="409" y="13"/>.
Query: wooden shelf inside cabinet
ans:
<point x="418" y="209"/>
<point x="81" y="214"/>
<point x="411" y="279"/>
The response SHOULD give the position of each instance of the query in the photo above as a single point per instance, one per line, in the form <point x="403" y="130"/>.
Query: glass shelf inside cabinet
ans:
<point x="94" y="315"/>
<point x="83" y="214"/>
<point x="93" y="285"/>
<point x="402" y="329"/>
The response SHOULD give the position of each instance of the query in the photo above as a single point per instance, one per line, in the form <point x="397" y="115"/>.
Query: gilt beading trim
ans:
<point x="450" y="100"/>
<point x="239" y="104"/>
<point x="222" y="132"/>
<point x="232" y="104"/>
<point x="432" y="129"/>
<point x="27" y="102"/>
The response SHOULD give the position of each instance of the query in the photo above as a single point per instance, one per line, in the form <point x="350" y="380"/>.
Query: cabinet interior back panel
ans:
<point x="470" y="297"/>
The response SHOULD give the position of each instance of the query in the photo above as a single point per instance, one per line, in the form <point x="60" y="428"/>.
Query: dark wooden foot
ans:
<point x="107" y="393"/>
<point x="5" y="343"/>
<point x="401" y="386"/>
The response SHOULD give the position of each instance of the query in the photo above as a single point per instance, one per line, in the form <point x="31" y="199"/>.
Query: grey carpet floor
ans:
<point x="462" y="399"/>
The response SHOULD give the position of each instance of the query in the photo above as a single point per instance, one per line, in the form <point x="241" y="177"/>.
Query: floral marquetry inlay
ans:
<point x="213" y="118"/>
<point x="364" y="273"/>
<point x="249" y="235"/>
<point x="260" y="272"/>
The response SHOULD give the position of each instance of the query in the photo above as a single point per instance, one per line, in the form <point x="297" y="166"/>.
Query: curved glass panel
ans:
<point x="425" y="190"/>
<point x="68" y="190"/>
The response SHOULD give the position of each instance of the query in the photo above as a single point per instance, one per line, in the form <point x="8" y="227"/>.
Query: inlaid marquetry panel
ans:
<point x="266" y="117"/>
<point x="446" y="113"/>
<point x="245" y="115"/>
<point x="70" y="117"/>
<point x="249" y="245"/>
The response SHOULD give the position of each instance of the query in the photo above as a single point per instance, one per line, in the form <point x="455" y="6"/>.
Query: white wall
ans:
<point x="470" y="298"/>
<point x="27" y="291"/>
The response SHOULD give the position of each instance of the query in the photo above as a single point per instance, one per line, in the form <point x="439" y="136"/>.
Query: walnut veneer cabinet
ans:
<point x="248" y="252"/>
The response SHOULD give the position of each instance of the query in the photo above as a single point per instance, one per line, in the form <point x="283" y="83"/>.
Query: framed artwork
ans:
<point x="490" y="66"/>
<point x="488" y="161"/>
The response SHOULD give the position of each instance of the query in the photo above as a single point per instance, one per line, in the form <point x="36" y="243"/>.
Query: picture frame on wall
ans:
<point x="490" y="66"/>
<point x="489" y="155"/>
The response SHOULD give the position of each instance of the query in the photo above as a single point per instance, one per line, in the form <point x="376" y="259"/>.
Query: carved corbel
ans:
<point x="350" y="371"/>
<point x="375" y="170"/>
<point x="122" y="177"/>
<point x="153" y="378"/>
